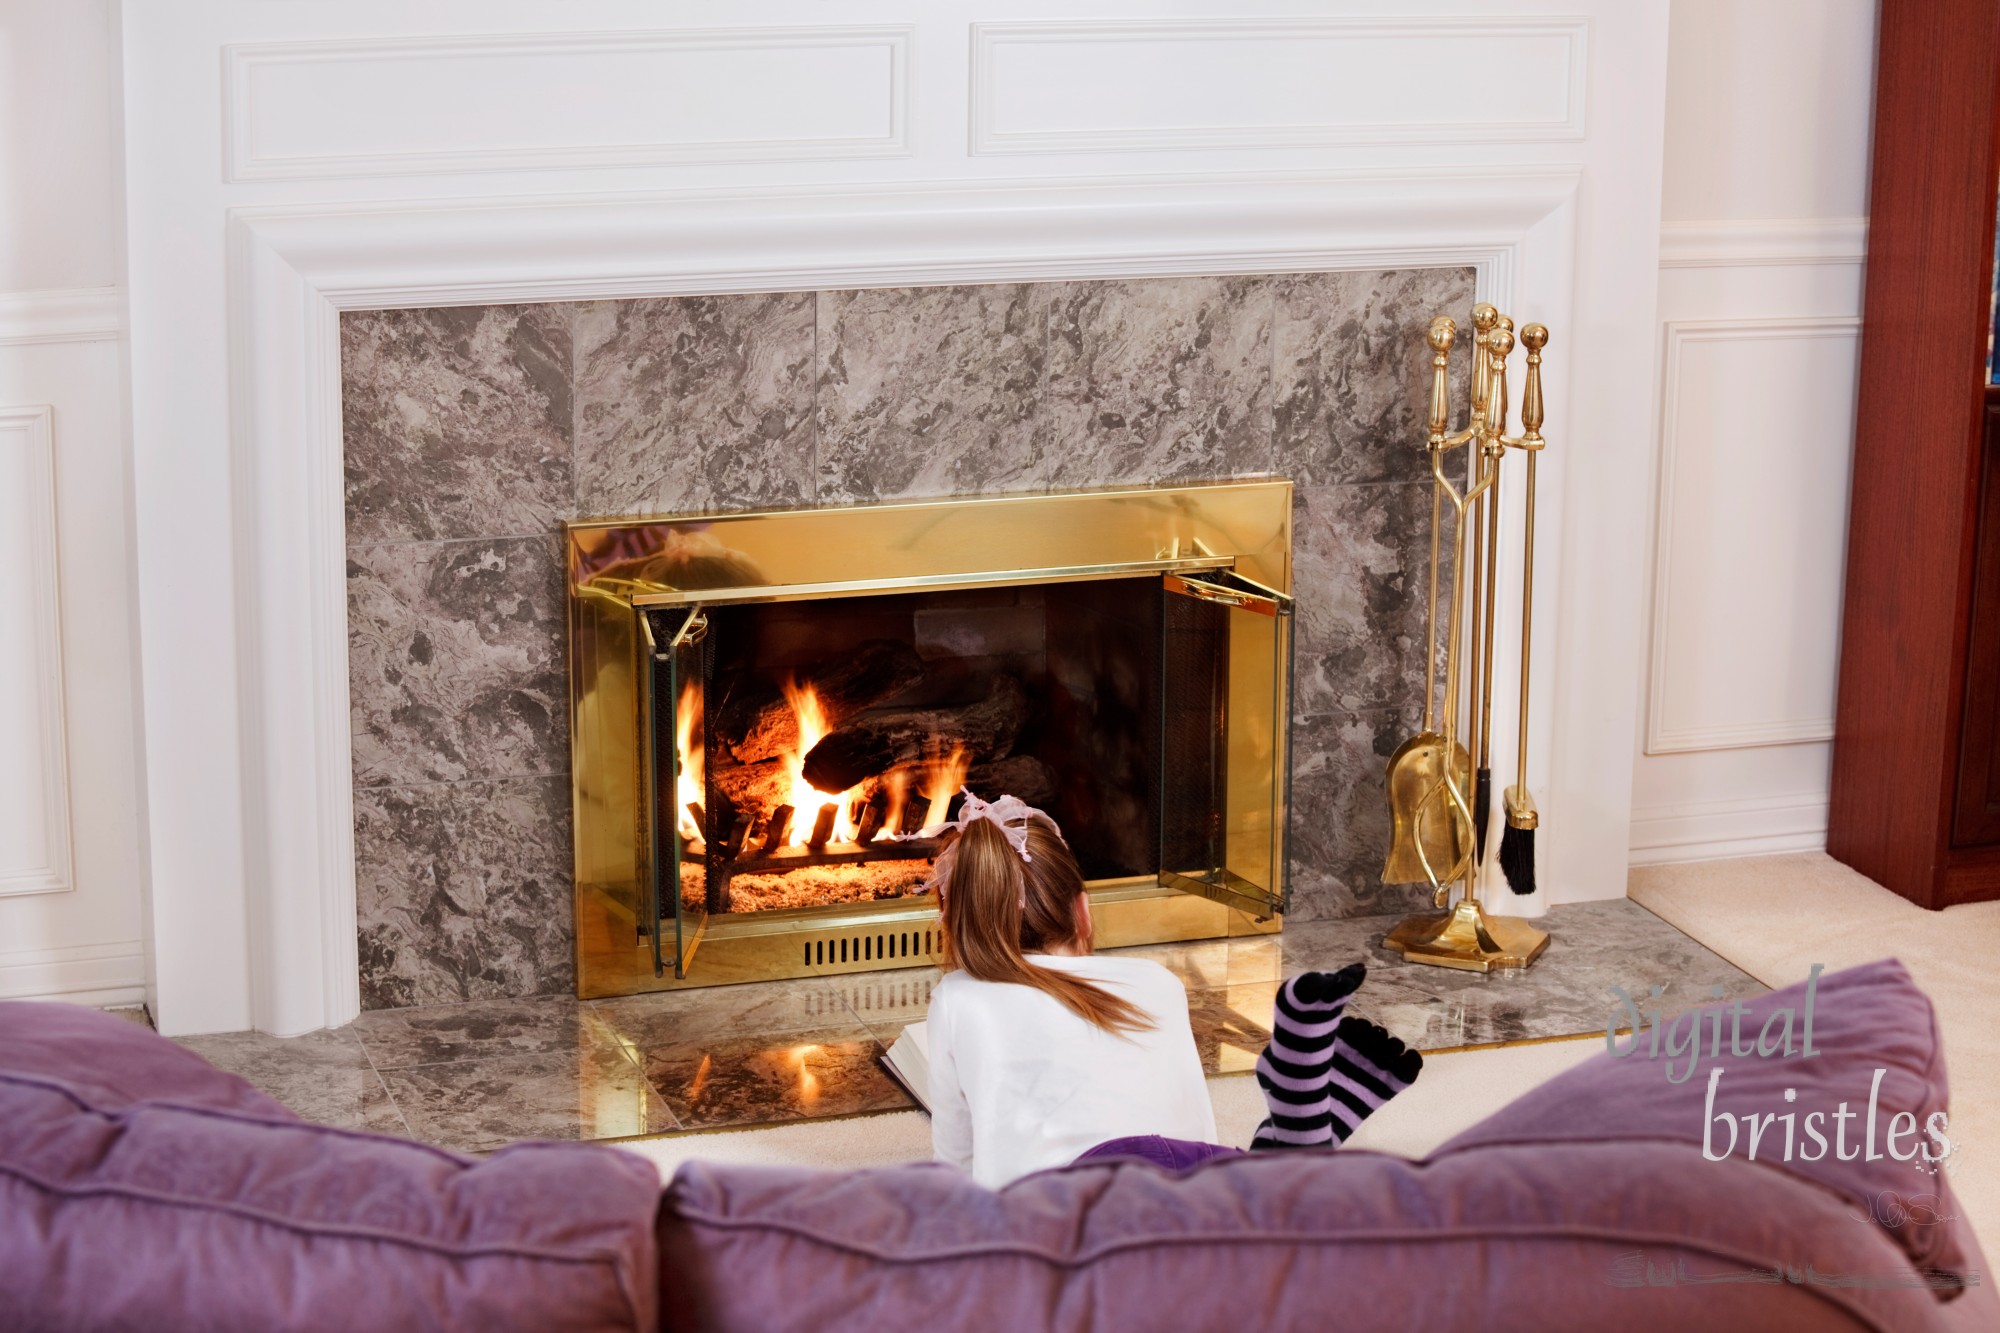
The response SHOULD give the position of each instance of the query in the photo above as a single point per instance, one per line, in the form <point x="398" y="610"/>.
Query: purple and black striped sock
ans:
<point x="1323" y="1074"/>
<point x="1295" y="1066"/>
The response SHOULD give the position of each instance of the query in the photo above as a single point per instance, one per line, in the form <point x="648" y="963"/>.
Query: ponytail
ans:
<point x="995" y="907"/>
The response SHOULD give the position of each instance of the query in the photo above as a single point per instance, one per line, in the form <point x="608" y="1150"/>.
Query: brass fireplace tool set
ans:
<point x="1438" y="801"/>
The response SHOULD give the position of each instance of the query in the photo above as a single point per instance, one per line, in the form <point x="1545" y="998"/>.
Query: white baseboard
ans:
<point x="96" y="974"/>
<point x="1714" y="830"/>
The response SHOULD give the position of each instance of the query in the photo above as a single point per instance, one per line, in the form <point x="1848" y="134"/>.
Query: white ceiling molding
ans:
<point x="1158" y="84"/>
<point x="440" y="105"/>
<point x="293" y="270"/>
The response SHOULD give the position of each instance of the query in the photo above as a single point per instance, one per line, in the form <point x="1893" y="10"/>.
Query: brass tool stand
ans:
<point x="1463" y="935"/>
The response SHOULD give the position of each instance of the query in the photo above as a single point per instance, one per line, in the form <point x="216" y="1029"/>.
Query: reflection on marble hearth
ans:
<point x="325" y="1077"/>
<point x="480" y="1105"/>
<point x="478" y="1075"/>
<point x="756" y="1081"/>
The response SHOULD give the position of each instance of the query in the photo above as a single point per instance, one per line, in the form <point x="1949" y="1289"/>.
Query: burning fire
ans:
<point x="935" y="781"/>
<point x="897" y="784"/>
<point x="806" y="800"/>
<point x="689" y="793"/>
<point x="942" y="781"/>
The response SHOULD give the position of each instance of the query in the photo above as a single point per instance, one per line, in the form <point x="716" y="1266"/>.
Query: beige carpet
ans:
<point x="1776" y="916"/>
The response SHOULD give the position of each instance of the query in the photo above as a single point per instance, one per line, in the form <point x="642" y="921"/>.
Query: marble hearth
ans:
<point x="472" y="434"/>
<point x="477" y="1076"/>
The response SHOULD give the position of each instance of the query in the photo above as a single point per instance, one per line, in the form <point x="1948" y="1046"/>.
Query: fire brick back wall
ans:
<point x="471" y="434"/>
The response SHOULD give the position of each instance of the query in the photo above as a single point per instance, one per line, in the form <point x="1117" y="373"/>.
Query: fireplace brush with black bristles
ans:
<point x="1438" y="801"/>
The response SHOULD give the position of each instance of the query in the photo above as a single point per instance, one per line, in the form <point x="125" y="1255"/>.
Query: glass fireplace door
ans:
<point x="1225" y="724"/>
<point x="673" y="680"/>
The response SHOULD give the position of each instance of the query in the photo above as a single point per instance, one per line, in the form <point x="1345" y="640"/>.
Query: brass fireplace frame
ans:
<point x="1226" y="542"/>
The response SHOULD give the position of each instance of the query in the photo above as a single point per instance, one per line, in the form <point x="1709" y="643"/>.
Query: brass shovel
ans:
<point x="1421" y="843"/>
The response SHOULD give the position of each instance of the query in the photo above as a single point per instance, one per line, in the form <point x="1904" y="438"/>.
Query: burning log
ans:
<point x="823" y="827"/>
<point x="878" y="742"/>
<point x="779" y="829"/>
<point x="872" y="815"/>
<point x="754" y="788"/>
<point x="760" y="723"/>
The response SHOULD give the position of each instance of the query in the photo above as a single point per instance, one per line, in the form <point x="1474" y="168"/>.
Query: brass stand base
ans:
<point x="1467" y="938"/>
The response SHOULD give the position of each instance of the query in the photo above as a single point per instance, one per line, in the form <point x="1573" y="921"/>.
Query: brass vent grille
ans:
<point x="834" y="950"/>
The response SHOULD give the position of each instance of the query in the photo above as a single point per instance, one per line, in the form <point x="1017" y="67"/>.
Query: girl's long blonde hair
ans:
<point x="996" y="909"/>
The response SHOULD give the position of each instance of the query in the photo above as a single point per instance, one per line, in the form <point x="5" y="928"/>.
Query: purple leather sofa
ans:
<point x="141" y="1189"/>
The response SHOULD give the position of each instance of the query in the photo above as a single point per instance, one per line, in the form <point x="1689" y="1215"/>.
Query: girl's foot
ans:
<point x="1363" y="1068"/>
<point x="1297" y="1064"/>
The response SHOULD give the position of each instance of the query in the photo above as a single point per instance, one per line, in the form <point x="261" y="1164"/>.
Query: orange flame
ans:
<point x="941" y="782"/>
<point x="897" y="784"/>
<point x="805" y="799"/>
<point x="691" y="790"/>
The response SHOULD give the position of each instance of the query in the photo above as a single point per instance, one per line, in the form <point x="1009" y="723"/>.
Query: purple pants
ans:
<point x="1167" y="1154"/>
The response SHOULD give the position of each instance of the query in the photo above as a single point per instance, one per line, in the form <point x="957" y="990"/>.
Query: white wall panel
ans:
<point x="1076" y="86"/>
<point x="58" y="163"/>
<point x="83" y="944"/>
<point x="1769" y="109"/>
<point x="566" y="100"/>
<point x="34" y="763"/>
<point x="70" y="837"/>
<point x="1755" y="448"/>
<point x="1760" y="299"/>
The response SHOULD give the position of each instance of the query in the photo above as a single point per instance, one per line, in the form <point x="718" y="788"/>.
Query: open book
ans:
<point x="908" y="1061"/>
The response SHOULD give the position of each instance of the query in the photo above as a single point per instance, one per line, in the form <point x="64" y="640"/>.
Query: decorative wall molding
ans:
<point x="95" y="974"/>
<point x="1762" y="243"/>
<point x="1149" y="84"/>
<point x="1664" y="735"/>
<point x="442" y="105"/>
<point x="1711" y="830"/>
<point x="35" y="854"/>
<point x="292" y="272"/>
<point x="62" y="315"/>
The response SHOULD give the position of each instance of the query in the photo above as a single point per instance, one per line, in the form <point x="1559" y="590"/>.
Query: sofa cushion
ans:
<point x="1626" y="1236"/>
<point x="1865" y="1019"/>
<point x="141" y="1189"/>
<point x="1588" y="1203"/>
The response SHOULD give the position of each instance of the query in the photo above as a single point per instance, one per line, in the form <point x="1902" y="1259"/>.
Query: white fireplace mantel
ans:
<point x="236" y="285"/>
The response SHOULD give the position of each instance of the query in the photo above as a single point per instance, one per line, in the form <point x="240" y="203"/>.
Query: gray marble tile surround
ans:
<point x="478" y="1075"/>
<point x="472" y="433"/>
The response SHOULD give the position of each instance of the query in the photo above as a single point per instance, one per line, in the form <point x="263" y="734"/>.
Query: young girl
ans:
<point x="1041" y="1053"/>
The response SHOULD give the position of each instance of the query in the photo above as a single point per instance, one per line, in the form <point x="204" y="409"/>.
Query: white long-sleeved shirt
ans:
<point x="1018" y="1083"/>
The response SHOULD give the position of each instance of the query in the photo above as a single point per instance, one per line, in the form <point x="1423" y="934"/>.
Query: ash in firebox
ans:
<point x="813" y="886"/>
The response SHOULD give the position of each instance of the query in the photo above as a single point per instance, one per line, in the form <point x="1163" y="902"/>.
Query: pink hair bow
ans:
<point x="1010" y="813"/>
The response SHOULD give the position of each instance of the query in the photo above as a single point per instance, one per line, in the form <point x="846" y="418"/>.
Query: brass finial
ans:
<point x="1499" y="343"/>
<point x="1534" y="337"/>
<point x="1484" y="318"/>
<point x="1442" y="332"/>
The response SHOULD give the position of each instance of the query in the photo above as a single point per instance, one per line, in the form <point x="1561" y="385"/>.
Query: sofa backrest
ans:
<point x="1588" y="1204"/>
<point x="142" y="1189"/>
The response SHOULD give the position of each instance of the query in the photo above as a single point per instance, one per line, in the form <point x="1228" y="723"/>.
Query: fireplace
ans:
<point x="771" y="713"/>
